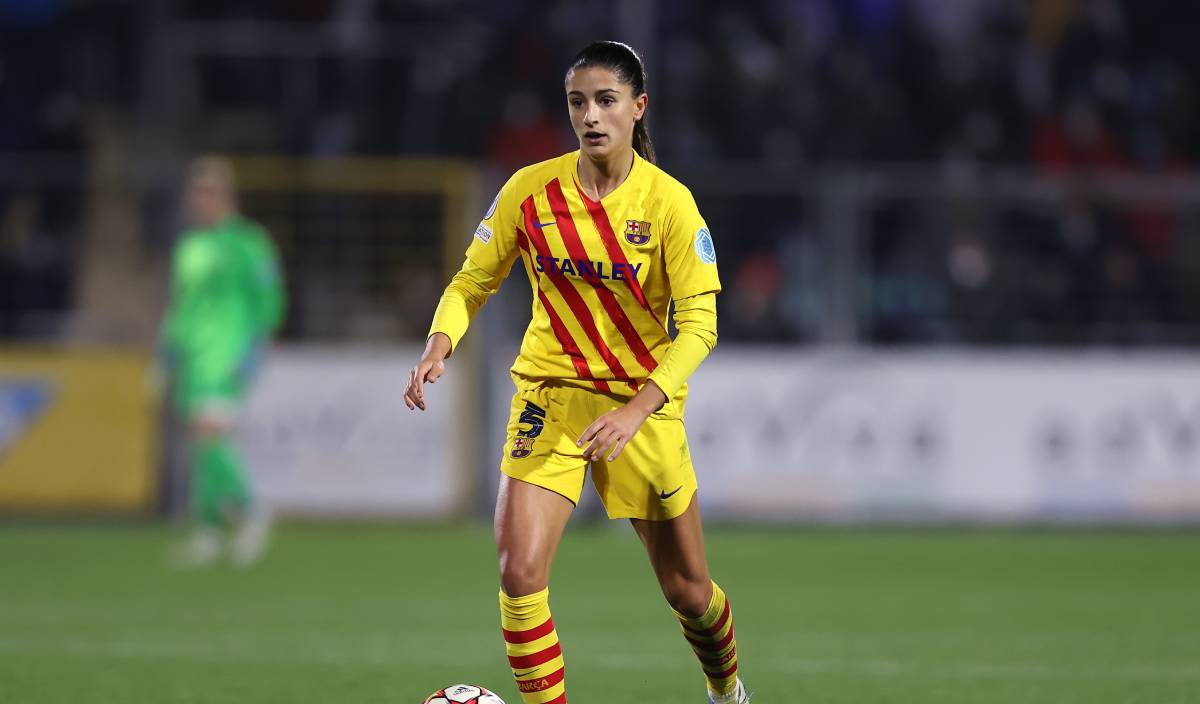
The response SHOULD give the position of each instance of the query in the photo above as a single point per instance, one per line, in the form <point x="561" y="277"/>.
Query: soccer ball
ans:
<point x="463" y="694"/>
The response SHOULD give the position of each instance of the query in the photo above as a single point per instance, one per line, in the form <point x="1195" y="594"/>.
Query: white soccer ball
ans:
<point x="463" y="694"/>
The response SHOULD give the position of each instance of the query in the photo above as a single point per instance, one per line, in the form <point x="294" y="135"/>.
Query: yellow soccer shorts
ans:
<point x="653" y="477"/>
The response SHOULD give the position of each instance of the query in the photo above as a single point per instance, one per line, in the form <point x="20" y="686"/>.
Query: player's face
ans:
<point x="603" y="111"/>
<point x="207" y="201"/>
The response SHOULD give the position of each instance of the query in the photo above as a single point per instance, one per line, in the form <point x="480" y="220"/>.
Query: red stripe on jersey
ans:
<point x="541" y="657"/>
<point x="615" y="253"/>
<point x="541" y="684"/>
<point x="530" y="635"/>
<point x="569" y="346"/>
<point x="566" y="227"/>
<point x="569" y="293"/>
<point x="560" y="329"/>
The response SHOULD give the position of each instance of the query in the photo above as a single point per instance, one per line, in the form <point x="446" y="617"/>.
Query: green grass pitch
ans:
<point x="387" y="614"/>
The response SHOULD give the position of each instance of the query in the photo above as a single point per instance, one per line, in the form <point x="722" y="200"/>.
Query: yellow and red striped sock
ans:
<point x="711" y="637"/>
<point x="533" y="649"/>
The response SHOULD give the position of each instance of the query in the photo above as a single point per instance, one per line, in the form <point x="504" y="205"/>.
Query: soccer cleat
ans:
<point x="250" y="541"/>
<point x="737" y="696"/>
<point x="201" y="549"/>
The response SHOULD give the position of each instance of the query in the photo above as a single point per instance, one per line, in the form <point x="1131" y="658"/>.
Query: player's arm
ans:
<point x="272" y="295"/>
<point x="155" y="377"/>
<point x="490" y="257"/>
<point x="169" y="328"/>
<point x="691" y="263"/>
<point x="696" y="321"/>
<point x="464" y="296"/>
<point x="172" y="329"/>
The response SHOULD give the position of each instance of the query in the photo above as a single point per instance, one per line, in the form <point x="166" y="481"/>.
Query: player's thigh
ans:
<point x="542" y="475"/>
<point x="529" y="524"/>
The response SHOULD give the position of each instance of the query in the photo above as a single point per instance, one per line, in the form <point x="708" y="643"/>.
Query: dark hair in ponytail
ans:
<point x="627" y="66"/>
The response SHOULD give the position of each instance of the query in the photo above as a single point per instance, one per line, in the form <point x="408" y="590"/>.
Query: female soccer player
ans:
<point x="609" y="241"/>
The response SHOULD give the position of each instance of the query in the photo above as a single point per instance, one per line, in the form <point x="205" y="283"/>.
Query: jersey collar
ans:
<point x="573" y="166"/>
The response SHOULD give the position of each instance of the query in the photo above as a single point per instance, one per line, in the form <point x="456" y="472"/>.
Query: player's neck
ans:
<point x="598" y="178"/>
<point x="217" y="218"/>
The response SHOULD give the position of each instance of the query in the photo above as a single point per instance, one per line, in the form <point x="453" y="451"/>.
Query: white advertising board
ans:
<point x="775" y="435"/>
<point x="326" y="432"/>
<point x="784" y="435"/>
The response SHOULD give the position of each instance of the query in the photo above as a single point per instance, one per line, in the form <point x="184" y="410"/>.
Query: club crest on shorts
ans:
<point x="637" y="231"/>
<point x="522" y="447"/>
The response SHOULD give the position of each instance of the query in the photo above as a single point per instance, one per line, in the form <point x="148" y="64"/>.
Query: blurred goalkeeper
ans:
<point x="227" y="300"/>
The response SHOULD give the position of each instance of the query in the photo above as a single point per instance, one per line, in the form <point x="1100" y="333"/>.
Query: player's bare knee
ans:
<point x="689" y="597"/>
<point x="521" y="577"/>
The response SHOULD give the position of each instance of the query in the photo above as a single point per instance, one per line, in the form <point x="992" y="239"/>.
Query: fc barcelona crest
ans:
<point x="522" y="446"/>
<point x="637" y="231"/>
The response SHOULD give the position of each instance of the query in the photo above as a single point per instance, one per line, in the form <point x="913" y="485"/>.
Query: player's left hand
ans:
<point x="612" y="431"/>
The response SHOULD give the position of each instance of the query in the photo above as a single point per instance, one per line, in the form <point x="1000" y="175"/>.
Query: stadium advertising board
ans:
<point x="326" y="433"/>
<point x="947" y="437"/>
<point x="77" y="432"/>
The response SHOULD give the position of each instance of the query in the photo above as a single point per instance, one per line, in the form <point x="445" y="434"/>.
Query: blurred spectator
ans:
<point x="1062" y="86"/>
<point x="526" y="133"/>
<point x="752" y="299"/>
<point x="35" y="281"/>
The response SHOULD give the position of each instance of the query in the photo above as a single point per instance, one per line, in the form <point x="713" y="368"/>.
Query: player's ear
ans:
<point x="639" y="106"/>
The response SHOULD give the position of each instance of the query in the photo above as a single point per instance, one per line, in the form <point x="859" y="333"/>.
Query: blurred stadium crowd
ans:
<point x="798" y="89"/>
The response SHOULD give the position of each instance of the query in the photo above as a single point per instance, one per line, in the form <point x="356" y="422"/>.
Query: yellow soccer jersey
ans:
<point x="603" y="272"/>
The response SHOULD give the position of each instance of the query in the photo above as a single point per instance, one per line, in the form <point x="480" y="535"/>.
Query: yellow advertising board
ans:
<point x="78" y="432"/>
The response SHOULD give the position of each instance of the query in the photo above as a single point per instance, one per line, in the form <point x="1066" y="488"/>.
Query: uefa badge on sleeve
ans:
<point x="522" y="446"/>
<point x="704" y="246"/>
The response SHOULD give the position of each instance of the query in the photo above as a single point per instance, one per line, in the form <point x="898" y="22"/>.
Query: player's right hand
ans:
<point x="429" y="369"/>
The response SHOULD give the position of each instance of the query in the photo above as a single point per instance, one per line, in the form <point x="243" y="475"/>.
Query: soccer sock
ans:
<point x="711" y="637"/>
<point x="533" y="649"/>
<point x="220" y="480"/>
